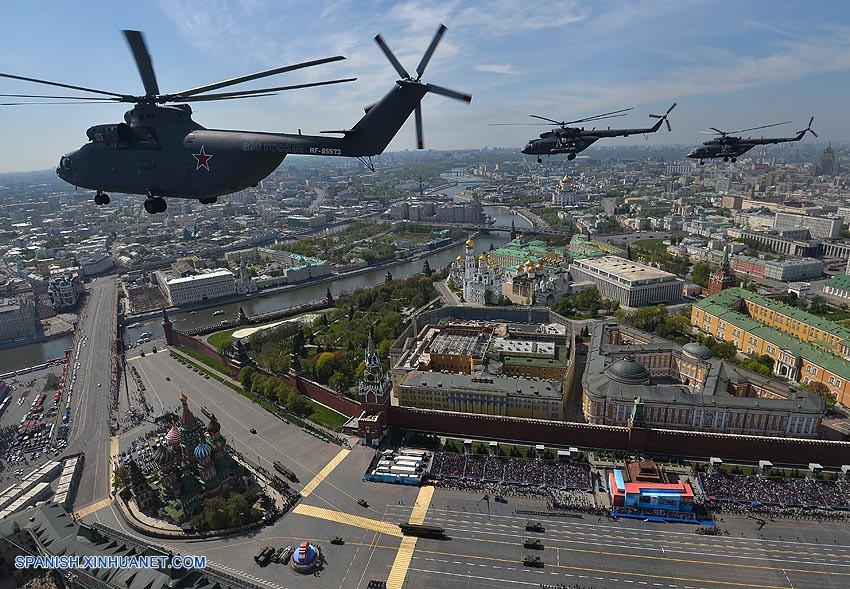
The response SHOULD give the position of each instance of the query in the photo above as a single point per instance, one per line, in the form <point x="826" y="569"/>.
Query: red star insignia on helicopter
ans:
<point x="202" y="158"/>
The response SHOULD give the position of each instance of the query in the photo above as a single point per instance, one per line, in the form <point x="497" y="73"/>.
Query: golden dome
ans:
<point x="482" y="258"/>
<point x="460" y="258"/>
<point x="469" y="243"/>
<point x="519" y="268"/>
<point x="539" y="265"/>
<point x="183" y="397"/>
<point x="529" y="263"/>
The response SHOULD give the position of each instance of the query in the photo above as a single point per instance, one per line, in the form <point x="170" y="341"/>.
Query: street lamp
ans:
<point x="241" y="529"/>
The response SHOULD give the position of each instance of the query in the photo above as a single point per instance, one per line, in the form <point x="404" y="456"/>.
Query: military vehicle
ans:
<point x="534" y="527"/>
<point x="532" y="561"/>
<point x="285" y="471"/>
<point x="534" y="543"/>
<point x="338" y="540"/>
<point x="729" y="146"/>
<point x="422" y="530"/>
<point x="265" y="556"/>
<point x="362" y="503"/>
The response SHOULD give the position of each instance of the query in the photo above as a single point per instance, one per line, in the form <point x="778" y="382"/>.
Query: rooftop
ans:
<point x="728" y="297"/>
<point x="472" y="383"/>
<point x="839" y="281"/>
<point x="626" y="270"/>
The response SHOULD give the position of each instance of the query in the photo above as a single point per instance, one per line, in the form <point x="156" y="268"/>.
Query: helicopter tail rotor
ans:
<point x="420" y="70"/>
<point x="808" y="129"/>
<point x="664" y="117"/>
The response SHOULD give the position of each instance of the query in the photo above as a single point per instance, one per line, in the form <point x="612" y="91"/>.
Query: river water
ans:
<point x="23" y="356"/>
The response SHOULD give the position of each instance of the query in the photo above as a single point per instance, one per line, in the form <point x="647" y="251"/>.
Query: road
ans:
<point x="90" y="403"/>
<point x="450" y="298"/>
<point x="320" y="197"/>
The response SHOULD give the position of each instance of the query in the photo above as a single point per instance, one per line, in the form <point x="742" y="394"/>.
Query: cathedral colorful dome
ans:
<point x="539" y="265"/>
<point x="202" y="450"/>
<point x="174" y="435"/>
<point x="460" y="259"/>
<point x="163" y="455"/>
<point x="469" y="243"/>
<point x="519" y="268"/>
<point x="529" y="263"/>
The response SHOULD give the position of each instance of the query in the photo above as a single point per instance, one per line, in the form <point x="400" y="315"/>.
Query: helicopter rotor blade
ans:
<point x="420" y="143"/>
<point x="606" y="115"/>
<point x="420" y="69"/>
<point x="89" y="98"/>
<point x="94" y="101"/>
<point x="261" y="91"/>
<point x="395" y="63"/>
<point x="760" y="127"/>
<point x="123" y="97"/>
<point x="546" y="119"/>
<point x="179" y="96"/>
<point x="717" y="131"/>
<point x="450" y="93"/>
<point x="143" y="61"/>
<point x="517" y="124"/>
<point x="212" y="97"/>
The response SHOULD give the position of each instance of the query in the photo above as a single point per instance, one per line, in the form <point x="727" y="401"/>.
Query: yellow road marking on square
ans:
<point x="401" y="564"/>
<point x="348" y="519"/>
<point x="317" y="480"/>
<point x="89" y="509"/>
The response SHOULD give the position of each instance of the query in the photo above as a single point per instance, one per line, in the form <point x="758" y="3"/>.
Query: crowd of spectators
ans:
<point x="768" y="495"/>
<point x="526" y="472"/>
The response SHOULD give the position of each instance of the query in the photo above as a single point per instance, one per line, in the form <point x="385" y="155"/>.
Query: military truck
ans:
<point x="265" y="556"/>
<point x="534" y="527"/>
<point x="533" y="543"/>
<point x="532" y="561"/>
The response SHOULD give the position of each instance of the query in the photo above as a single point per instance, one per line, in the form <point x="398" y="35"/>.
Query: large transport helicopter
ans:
<point x="573" y="140"/>
<point x="159" y="151"/>
<point x="729" y="147"/>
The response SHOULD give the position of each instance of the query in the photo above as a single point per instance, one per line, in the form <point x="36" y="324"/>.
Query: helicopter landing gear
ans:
<point x="101" y="198"/>
<point x="701" y="162"/>
<point x="571" y="156"/>
<point x="725" y="159"/>
<point x="733" y="160"/>
<point x="155" y="205"/>
<point x="540" y="160"/>
<point x="208" y="201"/>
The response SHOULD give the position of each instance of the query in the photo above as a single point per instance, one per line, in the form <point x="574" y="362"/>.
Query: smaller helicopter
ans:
<point x="572" y="140"/>
<point x="729" y="147"/>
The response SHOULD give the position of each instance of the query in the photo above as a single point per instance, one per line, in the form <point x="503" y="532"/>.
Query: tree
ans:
<point x="388" y="277"/>
<point x="426" y="269"/>
<point x="824" y="391"/>
<point x="724" y="350"/>
<point x="246" y="377"/>
<point x="326" y="364"/>
<point x="298" y="404"/>
<point x="121" y="478"/>
<point x="701" y="273"/>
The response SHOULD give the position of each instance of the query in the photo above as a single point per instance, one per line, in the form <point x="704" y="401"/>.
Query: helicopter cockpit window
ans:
<point x="141" y="138"/>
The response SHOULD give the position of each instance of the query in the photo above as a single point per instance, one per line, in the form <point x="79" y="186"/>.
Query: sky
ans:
<point x="728" y="64"/>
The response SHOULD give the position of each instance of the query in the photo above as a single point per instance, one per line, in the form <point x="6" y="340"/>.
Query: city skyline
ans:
<point x="727" y="65"/>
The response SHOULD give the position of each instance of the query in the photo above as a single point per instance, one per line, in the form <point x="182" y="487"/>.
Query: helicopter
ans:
<point x="729" y="147"/>
<point x="159" y="151"/>
<point x="572" y="140"/>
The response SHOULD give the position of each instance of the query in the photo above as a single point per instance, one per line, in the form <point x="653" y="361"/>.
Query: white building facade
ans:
<point x="200" y="287"/>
